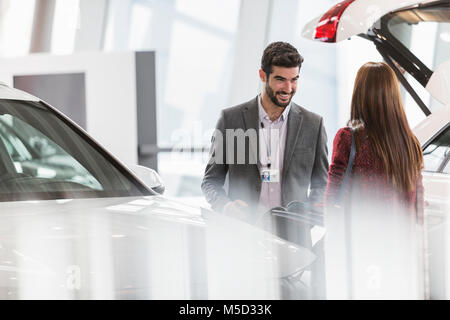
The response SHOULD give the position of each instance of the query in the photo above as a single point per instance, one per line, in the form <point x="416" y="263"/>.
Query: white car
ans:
<point x="393" y="26"/>
<point x="75" y="223"/>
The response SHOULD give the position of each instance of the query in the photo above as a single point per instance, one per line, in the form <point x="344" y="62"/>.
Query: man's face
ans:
<point x="281" y="85"/>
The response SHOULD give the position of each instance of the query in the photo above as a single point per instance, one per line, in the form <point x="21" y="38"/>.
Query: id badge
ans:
<point x="268" y="175"/>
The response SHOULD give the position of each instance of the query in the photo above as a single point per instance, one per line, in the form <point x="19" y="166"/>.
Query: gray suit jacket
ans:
<point x="305" y="163"/>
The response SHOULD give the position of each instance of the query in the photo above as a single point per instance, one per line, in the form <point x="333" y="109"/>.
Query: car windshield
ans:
<point x="425" y="32"/>
<point x="42" y="156"/>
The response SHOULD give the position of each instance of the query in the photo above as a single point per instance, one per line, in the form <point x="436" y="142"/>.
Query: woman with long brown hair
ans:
<point x="374" y="219"/>
<point x="388" y="158"/>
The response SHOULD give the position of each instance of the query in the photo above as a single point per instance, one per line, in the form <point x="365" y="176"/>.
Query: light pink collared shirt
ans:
<point x="272" y="142"/>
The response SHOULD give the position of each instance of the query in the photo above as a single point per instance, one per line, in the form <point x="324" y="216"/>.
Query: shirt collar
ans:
<point x="263" y="113"/>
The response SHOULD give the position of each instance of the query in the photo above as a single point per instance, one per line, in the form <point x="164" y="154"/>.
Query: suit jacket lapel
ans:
<point x="251" y="117"/>
<point x="295" y="120"/>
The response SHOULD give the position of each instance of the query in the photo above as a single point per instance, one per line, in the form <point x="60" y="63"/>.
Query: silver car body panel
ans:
<point x="9" y="93"/>
<point x="139" y="248"/>
<point x="431" y="126"/>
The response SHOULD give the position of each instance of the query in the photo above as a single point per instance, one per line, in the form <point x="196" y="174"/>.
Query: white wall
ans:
<point x="110" y="93"/>
<point x="254" y="24"/>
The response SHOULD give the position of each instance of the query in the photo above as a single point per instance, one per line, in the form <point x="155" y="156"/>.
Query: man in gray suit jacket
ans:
<point x="272" y="150"/>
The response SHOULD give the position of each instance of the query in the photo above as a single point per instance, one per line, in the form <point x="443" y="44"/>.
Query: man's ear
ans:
<point x="262" y="75"/>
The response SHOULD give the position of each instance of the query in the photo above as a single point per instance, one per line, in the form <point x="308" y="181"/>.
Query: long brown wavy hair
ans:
<point x="377" y="106"/>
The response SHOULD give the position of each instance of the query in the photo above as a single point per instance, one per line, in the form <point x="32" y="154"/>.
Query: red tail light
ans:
<point x="327" y="27"/>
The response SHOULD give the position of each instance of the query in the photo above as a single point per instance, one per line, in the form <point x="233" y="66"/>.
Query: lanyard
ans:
<point x="268" y="146"/>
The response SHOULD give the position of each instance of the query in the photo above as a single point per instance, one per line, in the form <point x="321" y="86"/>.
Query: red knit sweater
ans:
<point x="367" y="168"/>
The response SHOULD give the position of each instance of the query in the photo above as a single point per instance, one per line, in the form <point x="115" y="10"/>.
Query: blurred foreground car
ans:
<point x="393" y="26"/>
<point x="75" y="223"/>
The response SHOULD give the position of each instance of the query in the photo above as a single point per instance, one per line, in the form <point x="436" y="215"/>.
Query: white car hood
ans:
<point x="140" y="247"/>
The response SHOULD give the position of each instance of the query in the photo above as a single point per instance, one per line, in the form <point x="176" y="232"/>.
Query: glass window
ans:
<point x="425" y="32"/>
<point x="37" y="156"/>
<point x="41" y="157"/>
<point x="183" y="171"/>
<point x="194" y="42"/>
<point x="141" y="17"/>
<point x="414" y="114"/>
<point x="16" y="21"/>
<point x="437" y="151"/>
<point x="65" y="24"/>
<point x="215" y="13"/>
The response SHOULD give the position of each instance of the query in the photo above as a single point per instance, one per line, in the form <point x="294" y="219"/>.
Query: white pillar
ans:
<point x="93" y="18"/>
<point x="252" y="37"/>
<point x="282" y="24"/>
<point x="41" y="37"/>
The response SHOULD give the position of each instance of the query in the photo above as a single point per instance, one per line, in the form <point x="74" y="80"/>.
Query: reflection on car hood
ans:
<point x="137" y="247"/>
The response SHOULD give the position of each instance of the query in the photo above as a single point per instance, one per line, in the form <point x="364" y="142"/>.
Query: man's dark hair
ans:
<point x="280" y="54"/>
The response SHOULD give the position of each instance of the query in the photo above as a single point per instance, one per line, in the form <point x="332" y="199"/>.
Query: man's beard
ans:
<point x="273" y="96"/>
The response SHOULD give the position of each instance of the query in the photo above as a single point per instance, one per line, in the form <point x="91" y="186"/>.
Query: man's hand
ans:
<point x="236" y="209"/>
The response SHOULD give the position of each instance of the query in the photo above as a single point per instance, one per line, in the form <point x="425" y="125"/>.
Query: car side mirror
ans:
<point x="148" y="176"/>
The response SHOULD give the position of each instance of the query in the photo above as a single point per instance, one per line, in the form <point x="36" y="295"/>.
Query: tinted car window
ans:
<point x="413" y="26"/>
<point x="36" y="155"/>
<point x="437" y="151"/>
<point x="43" y="157"/>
